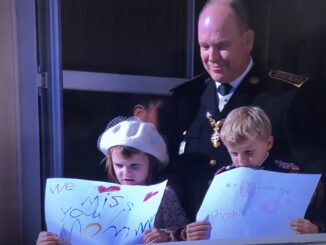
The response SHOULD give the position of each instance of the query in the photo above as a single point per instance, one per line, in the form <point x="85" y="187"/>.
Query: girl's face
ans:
<point x="130" y="171"/>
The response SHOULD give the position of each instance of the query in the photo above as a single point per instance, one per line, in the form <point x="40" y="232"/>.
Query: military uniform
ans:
<point x="196" y="158"/>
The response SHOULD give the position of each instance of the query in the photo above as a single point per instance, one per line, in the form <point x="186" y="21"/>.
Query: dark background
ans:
<point x="146" y="38"/>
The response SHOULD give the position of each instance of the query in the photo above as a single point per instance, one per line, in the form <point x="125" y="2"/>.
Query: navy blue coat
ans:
<point x="276" y="92"/>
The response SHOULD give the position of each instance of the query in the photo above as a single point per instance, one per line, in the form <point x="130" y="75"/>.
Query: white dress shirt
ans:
<point x="223" y="100"/>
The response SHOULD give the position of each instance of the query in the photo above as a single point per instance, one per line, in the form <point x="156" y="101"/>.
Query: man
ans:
<point x="226" y="41"/>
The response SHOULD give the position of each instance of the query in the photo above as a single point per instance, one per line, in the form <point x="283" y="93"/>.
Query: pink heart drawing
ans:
<point x="247" y="189"/>
<point x="149" y="195"/>
<point x="102" y="188"/>
<point x="270" y="206"/>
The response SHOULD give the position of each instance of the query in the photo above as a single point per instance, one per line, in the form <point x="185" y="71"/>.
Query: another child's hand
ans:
<point x="303" y="226"/>
<point x="47" y="238"/>
<point x="198" y="230"/>
<point x="156" y="235"/>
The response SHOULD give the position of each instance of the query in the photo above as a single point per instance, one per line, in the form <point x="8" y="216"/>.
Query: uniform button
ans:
<point x="254" y="80"/>
<point x="212" y="162"/>
<point x="184" y="132"/>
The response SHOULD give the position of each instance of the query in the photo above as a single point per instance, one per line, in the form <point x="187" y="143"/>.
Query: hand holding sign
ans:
<point x="246" y="202"/>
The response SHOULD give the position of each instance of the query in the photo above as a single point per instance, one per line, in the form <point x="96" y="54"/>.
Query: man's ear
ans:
<point x="139" y="111"/>
<point x="249" y="38"/>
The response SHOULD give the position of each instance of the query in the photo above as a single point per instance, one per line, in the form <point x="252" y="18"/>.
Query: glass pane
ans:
<point x="126" y="36"/>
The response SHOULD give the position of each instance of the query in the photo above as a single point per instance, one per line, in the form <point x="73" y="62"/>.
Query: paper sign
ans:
<point x="93" y="212"/>
<point x="246" y="202"/>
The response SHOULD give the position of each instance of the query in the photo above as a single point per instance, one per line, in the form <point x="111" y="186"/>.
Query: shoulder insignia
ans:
<point x="224" y="168"/>
<point x="295" y="80"/>
<point x="220" y="170"/>
<point x="287" y="166"/>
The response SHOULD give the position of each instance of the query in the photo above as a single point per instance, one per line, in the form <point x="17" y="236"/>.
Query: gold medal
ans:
<point x="216" y="126"/>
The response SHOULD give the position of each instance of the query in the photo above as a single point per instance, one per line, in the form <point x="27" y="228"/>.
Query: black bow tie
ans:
<point x="224" y="89"/>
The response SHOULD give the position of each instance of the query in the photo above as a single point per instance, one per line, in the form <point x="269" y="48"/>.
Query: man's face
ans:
<point x="249" y="153"/>
<point x="224" y="47"/>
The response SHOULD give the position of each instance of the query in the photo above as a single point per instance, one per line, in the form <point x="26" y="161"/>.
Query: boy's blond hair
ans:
<point x="247" y="122"/>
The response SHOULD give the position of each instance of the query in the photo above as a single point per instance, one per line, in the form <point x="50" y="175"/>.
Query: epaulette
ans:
<point x="224" y="168"/>
<point x="295" y="80"/>
<point x="287" y="166"/>
<point x="201" y="77"/>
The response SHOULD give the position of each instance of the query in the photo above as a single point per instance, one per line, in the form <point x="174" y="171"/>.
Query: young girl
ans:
<point x="247" y="135"/>
<point x="135" y="155"/>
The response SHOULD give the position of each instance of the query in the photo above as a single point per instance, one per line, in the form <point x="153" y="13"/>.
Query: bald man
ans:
<point x="232" y="80"/>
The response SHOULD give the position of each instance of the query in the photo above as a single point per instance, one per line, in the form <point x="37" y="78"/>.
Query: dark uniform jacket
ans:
<point x="274" y="92"/>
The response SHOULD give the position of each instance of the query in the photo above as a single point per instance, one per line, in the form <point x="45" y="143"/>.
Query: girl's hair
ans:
<point x="244" y="123"/>
<point x="128" y="152"/>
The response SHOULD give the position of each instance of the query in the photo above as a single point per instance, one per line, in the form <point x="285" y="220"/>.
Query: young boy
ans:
<point x="247" y="135"/>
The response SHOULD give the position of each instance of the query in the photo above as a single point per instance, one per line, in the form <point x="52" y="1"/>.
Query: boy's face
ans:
<point x="130" y="171"/>
<point x="250" y="152"/>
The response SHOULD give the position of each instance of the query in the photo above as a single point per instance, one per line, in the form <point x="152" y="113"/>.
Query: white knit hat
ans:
<point x="136" y="134"/>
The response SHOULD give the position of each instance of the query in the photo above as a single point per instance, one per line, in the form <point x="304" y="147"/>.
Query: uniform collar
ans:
<point x="263" y="161"/>
<point x="235" y="83"/>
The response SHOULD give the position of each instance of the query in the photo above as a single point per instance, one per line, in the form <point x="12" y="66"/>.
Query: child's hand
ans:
<point x="198" y="230"/>
<point x="303" y="226"/>
<point x="156" y="235"/>
<point x="47" y="238"/>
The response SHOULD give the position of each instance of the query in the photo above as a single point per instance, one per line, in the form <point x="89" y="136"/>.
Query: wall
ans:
<point x="9" y="170"/>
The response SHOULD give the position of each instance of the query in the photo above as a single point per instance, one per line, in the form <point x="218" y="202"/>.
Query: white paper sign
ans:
<point x="93" y="212"/>
<point x="246" y="202"/>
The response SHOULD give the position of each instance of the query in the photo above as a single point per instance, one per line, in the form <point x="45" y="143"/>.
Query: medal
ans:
<point x="182" y="147"/>
<point x="216" y="126"/>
